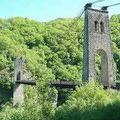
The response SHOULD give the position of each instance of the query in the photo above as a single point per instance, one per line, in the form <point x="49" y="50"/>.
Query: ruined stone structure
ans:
<point x="18" y="93"/>
<point x="21" y="79"/>
<point x="97" y="40"/>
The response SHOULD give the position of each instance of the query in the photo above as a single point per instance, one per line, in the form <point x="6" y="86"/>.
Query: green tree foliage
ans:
<point x="115" y="35"/>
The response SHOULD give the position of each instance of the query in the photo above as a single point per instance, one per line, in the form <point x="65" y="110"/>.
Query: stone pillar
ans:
<point x="18" y="92"/>
<point x="97" y="39"/>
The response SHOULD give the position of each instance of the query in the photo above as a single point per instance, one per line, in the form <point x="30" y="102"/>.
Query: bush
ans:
<point x="20" y="113"/>
<point x="91" y="102"/>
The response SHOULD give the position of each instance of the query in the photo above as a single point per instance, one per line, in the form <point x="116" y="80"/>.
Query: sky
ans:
<point x="46" y="10"/>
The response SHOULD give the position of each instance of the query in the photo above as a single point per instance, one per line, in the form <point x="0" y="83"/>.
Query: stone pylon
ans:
<point x="97" y="40"/>
<point x="18" y="93"/>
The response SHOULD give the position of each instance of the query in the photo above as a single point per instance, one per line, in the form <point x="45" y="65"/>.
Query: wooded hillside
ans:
<point x="53" y="51"/>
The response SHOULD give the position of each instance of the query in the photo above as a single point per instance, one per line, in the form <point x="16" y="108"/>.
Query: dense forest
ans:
<point x="53" y="51"/>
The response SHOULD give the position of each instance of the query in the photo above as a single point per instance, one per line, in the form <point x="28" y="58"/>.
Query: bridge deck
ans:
<point x="64" y="84"/>
<point x="60" y="84"/>
<point x="27" y="82"/>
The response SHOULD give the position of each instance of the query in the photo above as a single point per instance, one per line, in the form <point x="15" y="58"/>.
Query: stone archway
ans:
<point x="102" y="74"/>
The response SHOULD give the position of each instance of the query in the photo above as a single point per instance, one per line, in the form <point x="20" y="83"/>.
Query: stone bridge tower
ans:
<point x="18" y="91"/>
<point x="97" y="40"/>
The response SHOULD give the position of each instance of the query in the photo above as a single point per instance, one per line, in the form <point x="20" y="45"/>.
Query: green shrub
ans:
<point x="20" y="113"/>
<point x="91" y="102"/>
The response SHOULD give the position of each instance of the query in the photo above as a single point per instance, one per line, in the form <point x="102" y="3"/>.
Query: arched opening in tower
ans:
<point x="19" y="76"/>
<point x="101" y="66"/>
<point x="96" y="26"/>
<point x="102" y="27"/>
